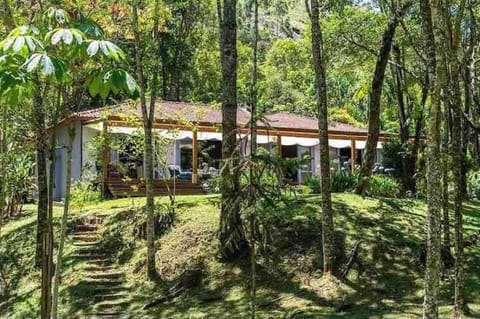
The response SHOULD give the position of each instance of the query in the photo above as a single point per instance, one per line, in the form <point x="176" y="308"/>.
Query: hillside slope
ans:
<point x="390" y="285"/>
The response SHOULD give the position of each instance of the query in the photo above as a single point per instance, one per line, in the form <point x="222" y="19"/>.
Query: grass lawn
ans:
<point x="391" y="232"/>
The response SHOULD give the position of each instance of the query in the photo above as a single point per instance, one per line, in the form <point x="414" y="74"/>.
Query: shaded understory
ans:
<point x="289" y="284"/>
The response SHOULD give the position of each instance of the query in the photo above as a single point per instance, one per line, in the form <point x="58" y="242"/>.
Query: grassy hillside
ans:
<point x="391" y="285"/>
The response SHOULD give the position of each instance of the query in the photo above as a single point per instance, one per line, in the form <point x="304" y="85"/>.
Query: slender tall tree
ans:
<point x="63" y="229"/>
<point x="148" y="116"/>
<point x="434" y="169"/>
<point x="451" y="35"/>
<point x="253" y="150"/>
<point x="328" y="234"/>
<point x="375" y="97"/>
<point x="232" y="234"/>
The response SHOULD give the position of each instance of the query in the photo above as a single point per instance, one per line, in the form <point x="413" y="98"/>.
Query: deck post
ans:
<point x="105" y="159"/>
<point x="279" y="146"/>
<point x="194" y="157"/>
<point x="353" y="154"/>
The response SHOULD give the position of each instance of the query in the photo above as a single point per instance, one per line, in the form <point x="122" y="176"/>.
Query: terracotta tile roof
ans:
<point x="181" y="111"/>
<point x="290" y="120"/>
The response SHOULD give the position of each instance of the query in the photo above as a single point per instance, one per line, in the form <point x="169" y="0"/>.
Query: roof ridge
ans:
<point x="311" y="117"/>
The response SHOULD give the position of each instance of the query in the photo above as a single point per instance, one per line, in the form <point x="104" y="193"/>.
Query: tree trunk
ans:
<point x="322" y="109"/>
<point x="44" y="236"/>
<point x="457" y="159"/>
<point x="445" y="165"/>
<point x="231" y="235"/>
<point x="434" y="172"/>
<point x="253" y="150"/>
<point x="452" y="38"/>
<point x="3" y="150"/>
<point x="148" y="116"/>
<point x="374" y="104"/>
<point x="63" y="230"/>
<point x="407" y="159"/>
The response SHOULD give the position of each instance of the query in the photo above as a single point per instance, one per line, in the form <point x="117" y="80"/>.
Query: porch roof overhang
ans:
<point x="207" y="119"/>
<point x="203" y="127"/>
<point x="265" y="135"/>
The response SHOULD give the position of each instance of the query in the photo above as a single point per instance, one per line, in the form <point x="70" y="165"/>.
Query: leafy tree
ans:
<point x="37" y="58"/>
<point x="148" y="117"/>
<point x="375" y="97"/>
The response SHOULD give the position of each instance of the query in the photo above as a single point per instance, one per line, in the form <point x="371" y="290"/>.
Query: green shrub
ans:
<point x="473" y="184"/>
<point x="383" y="186"/>
<point x="303" y="189"/>
<point x="315" y="184"/>
<point x="85" y="192"/>
<point x="340" y="182"/>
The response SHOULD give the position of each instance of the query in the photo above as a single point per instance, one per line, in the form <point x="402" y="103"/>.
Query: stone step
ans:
<point x="105" y="275"/>
<point x="103" y="282"/>
<point x="107" y="315"/>
<point x="86" y="228"/>
<point x="90" y="257"/>
<point x="106" y="290"/>
<point x="98" y="268"/>
<point x="86" y="243"/>
<point x="88" y="250"/>
<point x="93" y="220"/>
<point x="99" y="261"/>
<point x="85" y="235"/>
<point x="110" y="296"/>
<point x="111" y="305"/>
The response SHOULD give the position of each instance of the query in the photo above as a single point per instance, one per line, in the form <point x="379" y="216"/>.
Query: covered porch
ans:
<point x="193" y="155"/>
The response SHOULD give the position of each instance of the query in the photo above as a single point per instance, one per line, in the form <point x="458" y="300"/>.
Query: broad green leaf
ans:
<point x="89" y="27"/>
<point x="47" y="66"/>
<point x="57" y="16"/>
<point x="21" y="42"/>
<point x="33" y="62"/>
<point x="18" y="44"/>
<point x="92" y="48"/>
<point x="30" y="43"/>
<point x="108" y="49"/>
<point x="7" y="43"/>
<point x="65" y="35"/>
<point x="131" y="84"/>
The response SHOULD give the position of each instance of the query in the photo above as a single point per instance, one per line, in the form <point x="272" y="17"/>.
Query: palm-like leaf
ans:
<point x="21" y="43"/>
<point x="89" y="27"/>
<point x="66" y="35"/>
<point x="56" y="16"/>
<point x="107" y="48"/>
<point x="46" y="65"/>
<point x="112" y="81"/>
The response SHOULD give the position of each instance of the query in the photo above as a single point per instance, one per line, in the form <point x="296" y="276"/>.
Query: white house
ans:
<point x="194" y="148"/>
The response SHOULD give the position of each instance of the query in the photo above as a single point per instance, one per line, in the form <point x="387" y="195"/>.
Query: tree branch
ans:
<point x="375" y="53"/>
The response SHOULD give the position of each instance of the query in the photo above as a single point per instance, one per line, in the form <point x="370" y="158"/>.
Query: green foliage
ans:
<point x="85" y="191"/>
<point x="10" y="270"/>
<point x="340" y="182"/>
<point x="58" y="52"/>
<point x="17" y="179"/>
<point x="383" y="186"/>
<point x="121" y="232"/>
<point x="392" y="152"/>
<point x="473" y="184"/>
<point x="315" y="184"/>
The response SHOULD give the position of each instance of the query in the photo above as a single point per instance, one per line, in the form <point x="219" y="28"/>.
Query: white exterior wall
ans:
<point x="88" y="159"/>
<point x="61" y="158"/>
